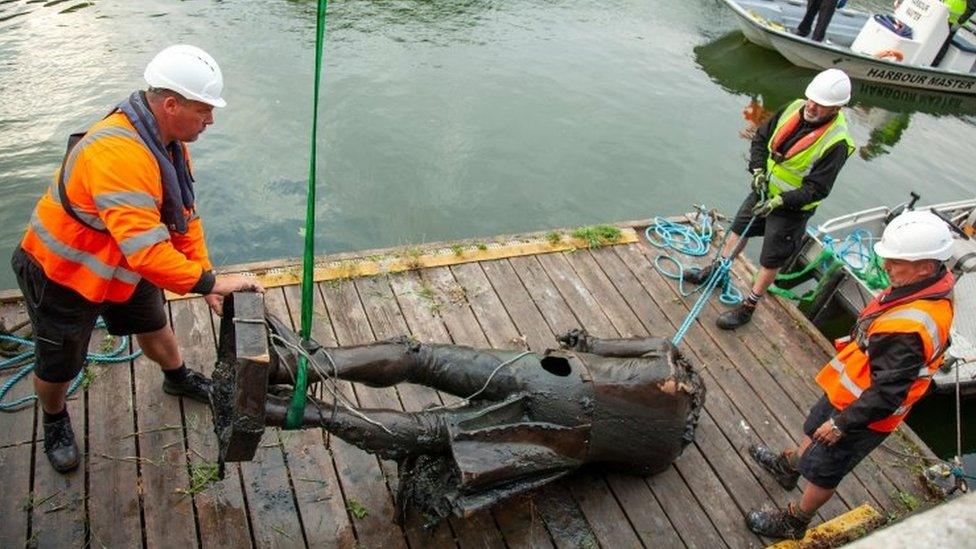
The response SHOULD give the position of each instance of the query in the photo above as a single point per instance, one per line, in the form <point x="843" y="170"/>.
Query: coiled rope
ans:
<point x="25" y="361"/>
<point x="686" y="240"/>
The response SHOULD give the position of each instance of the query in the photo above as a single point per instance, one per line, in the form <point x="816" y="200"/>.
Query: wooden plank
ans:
<point x="694" y="527"/>
<point x="742" y="424"/>
<point x="311" y="464"/>
<point x="168" y="511"/>
<point x="362" y="478"/>
<point x="270" y="499"/>
<point x="16" y="447"/>
<point x="220" y="509"/>
<point x="15" y="498"/>
<point x="638" y="502"/>
<point x="113" y="470"/>
<point x="425" y="324"/>
<point x="564" y="520"/>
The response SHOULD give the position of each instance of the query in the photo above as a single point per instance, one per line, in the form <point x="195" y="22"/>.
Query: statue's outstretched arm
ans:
<point x="579" y="340"/>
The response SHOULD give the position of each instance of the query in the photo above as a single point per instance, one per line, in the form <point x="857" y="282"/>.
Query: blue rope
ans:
<point x="678" y="236"/>
<point x="112" y="357"/>
<point x="686" y="240"/>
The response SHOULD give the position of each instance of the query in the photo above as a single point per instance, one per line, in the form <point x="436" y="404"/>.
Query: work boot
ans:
<point x="778" y="524"/>
<point x="740" y="316"/>
<point x="60" y="446"/>
<point x="698" y="276"/>
<point x="195" y="386"/>
<point x="775" y="464"/>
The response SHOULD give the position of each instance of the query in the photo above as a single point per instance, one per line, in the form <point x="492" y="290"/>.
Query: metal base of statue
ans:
<point x="524" y="419"/>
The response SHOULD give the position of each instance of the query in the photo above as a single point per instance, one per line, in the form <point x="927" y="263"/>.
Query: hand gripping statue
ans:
<point x="524" y="418"/>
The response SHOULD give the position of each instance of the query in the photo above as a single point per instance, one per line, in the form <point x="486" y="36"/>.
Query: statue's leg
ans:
<point x="453" y="369"/>
<point x="390" y="434"/>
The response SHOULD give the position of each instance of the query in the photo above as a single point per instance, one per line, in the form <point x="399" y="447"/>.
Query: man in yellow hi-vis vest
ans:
<point x="870" y="385"/>
<point x="794" y="160"/>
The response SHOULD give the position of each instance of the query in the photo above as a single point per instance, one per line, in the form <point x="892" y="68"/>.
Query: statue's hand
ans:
<point x="574" y="339"/>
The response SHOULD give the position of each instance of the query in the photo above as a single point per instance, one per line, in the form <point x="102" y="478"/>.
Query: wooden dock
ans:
<point x="143" y="448"/>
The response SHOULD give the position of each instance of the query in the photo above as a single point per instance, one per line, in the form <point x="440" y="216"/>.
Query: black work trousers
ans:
<point x="823" y="12"/>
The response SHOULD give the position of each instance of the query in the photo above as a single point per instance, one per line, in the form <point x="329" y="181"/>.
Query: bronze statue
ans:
<point x="525" y="419"/>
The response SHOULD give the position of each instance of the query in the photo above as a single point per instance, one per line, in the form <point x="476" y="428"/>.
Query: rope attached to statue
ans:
<point x="293" y="419"/>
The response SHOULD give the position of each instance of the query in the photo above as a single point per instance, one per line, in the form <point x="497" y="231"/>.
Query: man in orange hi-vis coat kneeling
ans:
<point x="118" y="225"/>
<point x="896" y="345"/>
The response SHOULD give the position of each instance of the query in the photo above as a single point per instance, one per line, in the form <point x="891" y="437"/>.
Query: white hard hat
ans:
<point x="915" y="235"/>
<point x="188" y="71"/>
<point x="830" y="88"/>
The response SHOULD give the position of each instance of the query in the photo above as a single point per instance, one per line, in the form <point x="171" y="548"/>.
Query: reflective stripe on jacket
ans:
<point x="786" y="171"/>
<point x="113" y="183"/>
<point x="848" y="374"/>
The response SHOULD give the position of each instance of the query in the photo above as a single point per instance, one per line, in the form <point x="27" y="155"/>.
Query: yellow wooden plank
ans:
<point x="408" y="258"/>
<point x="839" y="530"/>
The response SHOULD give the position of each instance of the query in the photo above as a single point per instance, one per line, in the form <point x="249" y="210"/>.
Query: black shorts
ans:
<point x="63" y="320"/>
<point x="825" y="466"/>
<point x="783" y="232"/>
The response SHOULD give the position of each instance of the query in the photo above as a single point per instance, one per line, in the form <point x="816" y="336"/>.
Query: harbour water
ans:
<point x="448" y="119"/>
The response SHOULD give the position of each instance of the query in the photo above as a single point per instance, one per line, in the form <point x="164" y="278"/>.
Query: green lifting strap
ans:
<point x="293" y="419"/>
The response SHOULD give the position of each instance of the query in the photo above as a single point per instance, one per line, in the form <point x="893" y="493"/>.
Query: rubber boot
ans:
<point x="740" y="316"/>
<point x="777" y="524"/>
<point x="775" y="464"/>
<point x="699" y="276"/>
<point x="60" y="446"/>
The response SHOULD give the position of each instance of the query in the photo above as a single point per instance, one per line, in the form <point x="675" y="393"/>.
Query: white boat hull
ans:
<point x="816" y="55"/>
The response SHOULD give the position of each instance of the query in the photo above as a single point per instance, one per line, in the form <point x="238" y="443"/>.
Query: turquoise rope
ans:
<point x="684" y="239"/>
<point x="666" y="234"/>
<point x="719" y="275"/>
<point x="112" y="357"/>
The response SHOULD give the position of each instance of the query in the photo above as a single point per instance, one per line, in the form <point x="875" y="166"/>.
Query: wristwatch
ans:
<point x="834" y="429"/>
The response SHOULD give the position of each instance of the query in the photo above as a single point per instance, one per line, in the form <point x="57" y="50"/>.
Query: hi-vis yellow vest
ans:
<point x="786" y="172"/>
<point x="956" y="8"/>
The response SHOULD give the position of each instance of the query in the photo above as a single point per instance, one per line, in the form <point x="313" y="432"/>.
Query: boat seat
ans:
<point x="965" y="43"/>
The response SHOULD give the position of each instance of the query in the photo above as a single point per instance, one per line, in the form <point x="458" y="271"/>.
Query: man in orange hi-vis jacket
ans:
<point x="896" y="345"/>
<point x="117" y="226"/>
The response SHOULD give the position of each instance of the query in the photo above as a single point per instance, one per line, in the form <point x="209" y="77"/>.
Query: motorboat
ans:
<point x="850" y="278"/>
<point x="896" y="48"/>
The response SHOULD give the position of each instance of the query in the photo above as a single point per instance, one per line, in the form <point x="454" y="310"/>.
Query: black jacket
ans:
<point x="817" y="184"/>
<point x="895" y="361"/>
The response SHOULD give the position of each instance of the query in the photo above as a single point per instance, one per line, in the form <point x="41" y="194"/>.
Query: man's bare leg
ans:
<point x="160" y="346"/>
<point x="51" y="395"/>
